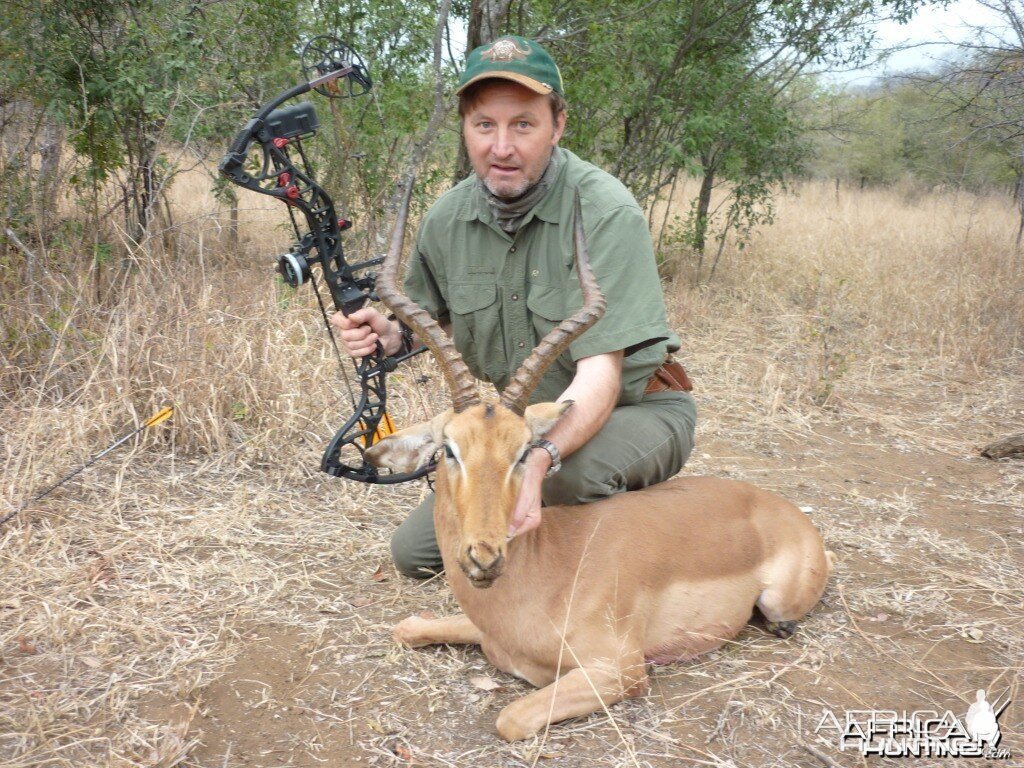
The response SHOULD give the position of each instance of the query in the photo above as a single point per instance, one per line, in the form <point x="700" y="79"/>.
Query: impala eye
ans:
<point x="448" y="452"/>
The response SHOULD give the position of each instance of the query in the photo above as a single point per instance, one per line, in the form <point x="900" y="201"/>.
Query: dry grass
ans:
<point x="208" y="598"/>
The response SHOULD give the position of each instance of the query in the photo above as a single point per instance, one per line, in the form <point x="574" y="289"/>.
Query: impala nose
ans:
<point x="485" y="561"/>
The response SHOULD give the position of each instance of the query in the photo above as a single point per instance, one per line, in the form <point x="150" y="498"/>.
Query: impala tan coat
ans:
<point x="596" y="592"/>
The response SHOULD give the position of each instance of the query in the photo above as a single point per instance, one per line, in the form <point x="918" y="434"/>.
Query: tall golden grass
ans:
<point x="843" y="281"/>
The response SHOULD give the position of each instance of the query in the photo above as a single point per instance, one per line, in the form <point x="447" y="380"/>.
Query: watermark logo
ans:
<point x="982" y="721"/>
<point x="920" y="733"/>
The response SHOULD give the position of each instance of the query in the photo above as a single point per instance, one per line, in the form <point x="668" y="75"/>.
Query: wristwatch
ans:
<point x="552" y="449"/>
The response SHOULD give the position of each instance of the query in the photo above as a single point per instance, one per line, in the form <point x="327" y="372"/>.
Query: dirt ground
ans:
<point x="910" y="622"/>
<point x="246" y="612"/>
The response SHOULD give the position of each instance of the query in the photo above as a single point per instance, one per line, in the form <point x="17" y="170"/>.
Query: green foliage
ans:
<point x="131" y="77"/>
<point x="704" y="88"/>
<point x="656" y="90"/>
<point x="103" y="253"/>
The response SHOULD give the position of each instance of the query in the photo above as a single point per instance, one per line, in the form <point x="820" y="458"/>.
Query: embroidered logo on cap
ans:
<point x="505" y="50"/>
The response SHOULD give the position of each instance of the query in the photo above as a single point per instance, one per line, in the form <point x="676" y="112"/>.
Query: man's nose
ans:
<point x="503" y="144"/>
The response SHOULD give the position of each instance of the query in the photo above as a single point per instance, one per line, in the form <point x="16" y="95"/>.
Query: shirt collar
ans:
<point x="550" y="208"/>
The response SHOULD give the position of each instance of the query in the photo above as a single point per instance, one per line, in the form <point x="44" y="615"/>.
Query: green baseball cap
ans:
<point x="513" y="58"/>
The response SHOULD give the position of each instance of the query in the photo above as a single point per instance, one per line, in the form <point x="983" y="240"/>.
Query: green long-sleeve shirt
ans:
<point x="502" y="294"/>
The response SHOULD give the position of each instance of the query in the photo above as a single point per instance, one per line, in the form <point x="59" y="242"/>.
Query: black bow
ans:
<point x="333" y="69"/>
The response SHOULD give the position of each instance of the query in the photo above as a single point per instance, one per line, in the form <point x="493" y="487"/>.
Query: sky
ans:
<point x="928" y="39"/>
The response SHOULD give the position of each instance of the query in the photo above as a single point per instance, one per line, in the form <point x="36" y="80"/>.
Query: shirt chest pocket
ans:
<point x="547" y="310"/>
<point x="467" y="298"/>
<point x="546" y="305"/>
<point x="476" y="326"/>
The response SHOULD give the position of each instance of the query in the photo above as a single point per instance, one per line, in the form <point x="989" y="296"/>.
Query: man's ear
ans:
<point x="410" y="448"/>
<point x="540" y="418"/>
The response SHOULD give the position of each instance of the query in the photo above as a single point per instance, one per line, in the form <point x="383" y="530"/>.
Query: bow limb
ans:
<point x="345" y="454"/>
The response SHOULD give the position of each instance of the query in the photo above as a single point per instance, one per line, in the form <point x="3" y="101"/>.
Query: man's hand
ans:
<point x="361" y="330"/>
<point x="526" y="515"/>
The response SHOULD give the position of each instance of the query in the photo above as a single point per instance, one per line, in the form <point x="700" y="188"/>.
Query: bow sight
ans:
<point x="274" y="128"/>
<point x="267" y="157"/>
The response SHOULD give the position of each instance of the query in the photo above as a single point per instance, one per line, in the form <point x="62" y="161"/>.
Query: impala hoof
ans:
<point x="410" y="632"/>
<point x="512" y="727"/>
<point x="783" y="629"/>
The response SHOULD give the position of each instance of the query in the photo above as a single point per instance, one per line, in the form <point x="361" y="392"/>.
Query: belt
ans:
<point x="670" y="377"/>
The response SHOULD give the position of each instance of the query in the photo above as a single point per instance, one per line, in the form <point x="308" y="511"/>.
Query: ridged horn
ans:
<point x="517" y="394"/>
<point x="456" y="373"/>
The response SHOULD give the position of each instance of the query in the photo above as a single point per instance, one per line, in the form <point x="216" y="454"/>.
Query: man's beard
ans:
<point x="513" y="190"/>
<point x="511" y="209"/>
<point x="505" y="192"/>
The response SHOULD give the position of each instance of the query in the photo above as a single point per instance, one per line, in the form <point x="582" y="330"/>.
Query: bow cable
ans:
<point x="312" y="278"/>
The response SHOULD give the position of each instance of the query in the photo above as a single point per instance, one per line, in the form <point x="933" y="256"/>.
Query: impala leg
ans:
<point x="453" y="630"/>
<point x="579" y="692"/>
<point x="795" y="587"/>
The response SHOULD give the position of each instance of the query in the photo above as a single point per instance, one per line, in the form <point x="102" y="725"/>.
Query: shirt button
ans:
<point x="521" y="344"/>
<point x="512" y="249"/>
<point x="515" y="297"/>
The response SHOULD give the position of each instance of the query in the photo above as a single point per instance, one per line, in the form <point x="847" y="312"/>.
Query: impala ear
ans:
<point x="410" y="448"/>
<point x="540" y="418"/>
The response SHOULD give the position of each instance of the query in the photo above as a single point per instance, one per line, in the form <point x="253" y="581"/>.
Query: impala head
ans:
<point x="480" y="470"/>
<point x="480" y="445"/>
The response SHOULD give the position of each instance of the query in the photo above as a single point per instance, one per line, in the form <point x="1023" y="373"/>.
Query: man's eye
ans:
<point x="523" y="125"/>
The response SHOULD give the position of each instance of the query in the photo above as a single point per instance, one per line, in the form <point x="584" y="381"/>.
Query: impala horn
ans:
<point x="456" y="373"/>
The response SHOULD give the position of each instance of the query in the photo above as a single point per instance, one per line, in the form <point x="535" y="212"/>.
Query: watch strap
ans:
<point x="552" y="450"/>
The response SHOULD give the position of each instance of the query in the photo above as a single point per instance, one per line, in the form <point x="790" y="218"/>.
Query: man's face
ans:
<point x="510" y="133"/>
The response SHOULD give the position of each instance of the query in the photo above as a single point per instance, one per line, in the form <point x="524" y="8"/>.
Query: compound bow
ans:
<point x="332" y="69"/>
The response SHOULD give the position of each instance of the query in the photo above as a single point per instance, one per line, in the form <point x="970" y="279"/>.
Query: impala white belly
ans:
<point x="692" y="618"/>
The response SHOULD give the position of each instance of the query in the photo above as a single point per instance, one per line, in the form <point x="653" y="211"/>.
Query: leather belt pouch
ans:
<point x="671" y="376"/>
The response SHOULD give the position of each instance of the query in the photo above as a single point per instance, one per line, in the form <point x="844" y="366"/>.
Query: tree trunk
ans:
<point x="338" y="175"/>
<point x="668" y="270"/>
<point x="1019" y="194"/>
<point x="729" y="224"/>
<point x="147" y="196"/>
<point x="50" y="152"/>
<point x="168" y="231"/>
<point x="486" y="20"/>
<point x="233" y="224"/>
<point x="700" y="225"/>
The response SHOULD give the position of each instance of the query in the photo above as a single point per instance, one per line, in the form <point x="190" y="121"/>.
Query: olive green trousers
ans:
<point x="640" y="445"/>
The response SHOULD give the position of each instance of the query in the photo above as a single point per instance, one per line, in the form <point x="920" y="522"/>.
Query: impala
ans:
<point x="581" y="604"/>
